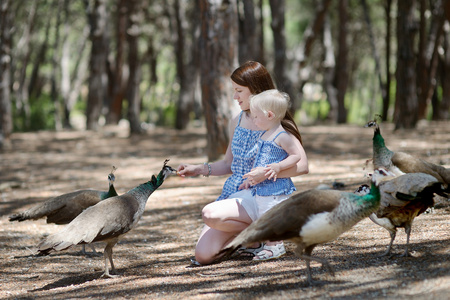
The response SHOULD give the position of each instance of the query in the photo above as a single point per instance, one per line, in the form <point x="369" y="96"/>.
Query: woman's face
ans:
<point x="242" y="95"/>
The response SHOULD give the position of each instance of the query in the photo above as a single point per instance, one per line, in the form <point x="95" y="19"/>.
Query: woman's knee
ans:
<point x="203" y="256"/>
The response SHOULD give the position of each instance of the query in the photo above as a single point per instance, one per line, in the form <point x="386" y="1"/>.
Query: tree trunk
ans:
<point x="133" y="93"/>
<point x="283" y="82"/>
<point x="55" y="95"/>
<point x="341" y="74"/>
<point x="187" y="72"/>
<point x="329" y="64"/>
<point x="97" y="17"/>
<point x="441" y="111"/>
<point x="118" y="80"/>
<point x="387" y="99"/>
<point x="375" y="54"/>
<point x="26" y="87"/>
<point x="406" y="104"/>
<point x="6" y="123"/>
<point x="304" y="51"/>
<point x="71" y="81"/>
<point x="247" y="31"/>
<point x="218" y="49"/>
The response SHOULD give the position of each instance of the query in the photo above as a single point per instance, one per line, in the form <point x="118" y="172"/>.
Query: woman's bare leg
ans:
<point x="224" y="220"/>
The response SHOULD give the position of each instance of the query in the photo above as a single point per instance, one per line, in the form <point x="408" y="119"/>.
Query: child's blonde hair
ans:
<point x="271" y="100"/>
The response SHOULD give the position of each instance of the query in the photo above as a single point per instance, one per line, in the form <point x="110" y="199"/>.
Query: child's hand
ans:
<point x="272" y="171"/>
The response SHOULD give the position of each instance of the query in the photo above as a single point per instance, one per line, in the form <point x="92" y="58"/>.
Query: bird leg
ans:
<point x="94" y="252"/>
<point x="408" y="232"/>
<point x="108" y="256"/>
<point x="307" y="257"/>
<point x="392" y="233"/>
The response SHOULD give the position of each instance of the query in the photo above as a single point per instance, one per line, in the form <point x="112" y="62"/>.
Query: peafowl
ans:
<point x="403" y="198"/>
<point x="64" y="208"/>
<point x="400" y="163"/>
<point x="308" y="219"/>
<point x="106" y="221"/>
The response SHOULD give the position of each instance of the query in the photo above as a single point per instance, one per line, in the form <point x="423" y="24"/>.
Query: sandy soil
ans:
<point x="154" y="258"/>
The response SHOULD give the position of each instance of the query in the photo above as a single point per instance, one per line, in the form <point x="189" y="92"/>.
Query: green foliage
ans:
<point x="316" y="110"/>
<point x="41" y="116"/>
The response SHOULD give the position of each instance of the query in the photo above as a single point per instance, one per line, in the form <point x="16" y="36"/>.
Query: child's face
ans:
<point x="242" y="95"/>
<point x="260" y="119"/>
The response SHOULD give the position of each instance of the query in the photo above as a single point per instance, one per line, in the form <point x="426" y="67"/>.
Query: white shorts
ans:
<point x="256" y="206"/>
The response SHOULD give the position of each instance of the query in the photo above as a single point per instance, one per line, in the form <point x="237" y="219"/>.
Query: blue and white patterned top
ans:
<point x="244" y="153"/>
<point x="270" y="152"/>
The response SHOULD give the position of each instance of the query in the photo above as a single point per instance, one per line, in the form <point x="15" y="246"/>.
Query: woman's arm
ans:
<point x="220" y="167"/>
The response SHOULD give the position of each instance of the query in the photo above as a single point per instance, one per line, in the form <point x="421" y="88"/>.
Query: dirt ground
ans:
<point x="154" y="258"/>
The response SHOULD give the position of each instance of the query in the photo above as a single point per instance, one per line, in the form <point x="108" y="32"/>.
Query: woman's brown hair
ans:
<point x="255" y="76"/>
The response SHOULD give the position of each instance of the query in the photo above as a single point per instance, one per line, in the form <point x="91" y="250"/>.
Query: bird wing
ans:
<point x="73" y="205"/>
<point x="411" y="191"/>
<point x="284" y="221"/>
<point x="51" y="208"/>
<point x="107" y="219"/>
<point x="409" y="164"/>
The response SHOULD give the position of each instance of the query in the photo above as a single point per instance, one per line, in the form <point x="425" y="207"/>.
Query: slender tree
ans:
<point x="218" y="52"/>
<point x="118" y="76"/>
<point x="133" y="92"/>
<point x="341" y="76"/>
<point x="186" y="52"/>
<point x="278" y="9"/>
<point x="406" y="103"/>
<point x="97" y="17"/>
<point x="6" y="124"/>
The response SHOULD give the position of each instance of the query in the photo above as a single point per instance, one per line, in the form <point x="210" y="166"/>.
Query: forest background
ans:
<point x="167" y="63"/>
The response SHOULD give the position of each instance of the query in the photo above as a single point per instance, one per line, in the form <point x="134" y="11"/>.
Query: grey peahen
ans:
<point x="403" y="198"/>
<point x="64" y="208"/>
<point x="308" y="219"/>
<point x="106" y="221"/>
<point x="400" y="162"/>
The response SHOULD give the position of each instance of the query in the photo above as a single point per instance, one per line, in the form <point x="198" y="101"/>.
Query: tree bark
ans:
<point x="117" y="85"/>
<point x="387" y="99"/>
<point x="329" y="69"/>
<point x="72" y="80"/>
<point x="342" y="74"/>
<point x="406" y="104"/>
<point x="133" y="92"/>
<point x="218" y="51"/>
<point x="278" y="8"/>
<point x="441" y="110"/>
<point x="375" y="54"/>
<point x="6" y="123"/>
<point x="428" y="55"/>
<point x="97" y="17"/>
<point x="55" y="95"/>
<point x="186" y="51"/>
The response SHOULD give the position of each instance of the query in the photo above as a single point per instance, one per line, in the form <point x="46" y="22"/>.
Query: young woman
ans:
<point x="227" y="216"/>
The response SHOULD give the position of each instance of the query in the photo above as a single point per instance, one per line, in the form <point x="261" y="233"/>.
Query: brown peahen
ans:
<point x="400" y="163"/>
<point x="106" y="221"/>
<point x="64" y="208"/>
<point x="403" y="198"/>
<point x="309" y="219"/>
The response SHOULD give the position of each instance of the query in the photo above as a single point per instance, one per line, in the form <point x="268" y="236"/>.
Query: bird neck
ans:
<point x="144" y="190"/>
<point x="380" y="151"/>
<point x="110" y="193"/>
<point x="372" y="199"/>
